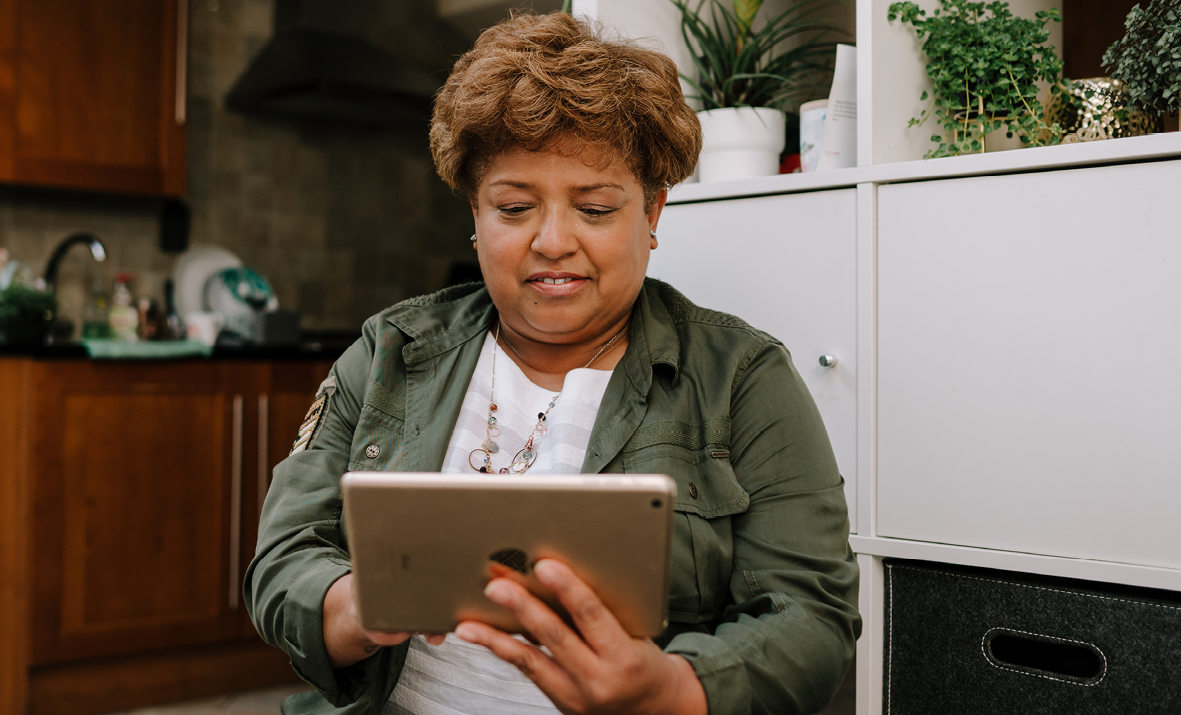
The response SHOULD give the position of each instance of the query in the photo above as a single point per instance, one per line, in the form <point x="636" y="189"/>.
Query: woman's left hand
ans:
<point x="599" y="668"/>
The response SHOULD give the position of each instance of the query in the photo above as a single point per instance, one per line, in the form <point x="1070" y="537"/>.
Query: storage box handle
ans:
<point x="1061" y="659"/>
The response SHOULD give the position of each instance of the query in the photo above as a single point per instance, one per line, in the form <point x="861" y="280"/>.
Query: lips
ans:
<point x="555" y="283"/>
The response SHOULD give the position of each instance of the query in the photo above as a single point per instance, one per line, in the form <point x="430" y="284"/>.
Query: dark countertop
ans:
<point x="327" y="347"/>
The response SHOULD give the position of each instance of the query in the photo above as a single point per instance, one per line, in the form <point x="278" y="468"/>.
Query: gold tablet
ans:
<point x="424" y="546"/>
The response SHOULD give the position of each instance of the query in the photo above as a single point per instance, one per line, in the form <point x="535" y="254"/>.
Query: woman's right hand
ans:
<point x="344" y="637"/>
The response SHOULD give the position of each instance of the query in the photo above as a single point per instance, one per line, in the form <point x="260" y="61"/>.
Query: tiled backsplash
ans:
<point x="342" y="221"/>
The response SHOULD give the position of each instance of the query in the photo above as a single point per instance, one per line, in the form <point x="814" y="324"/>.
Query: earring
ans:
<point x="651" y="233"/>
<point x="473" y="238"/>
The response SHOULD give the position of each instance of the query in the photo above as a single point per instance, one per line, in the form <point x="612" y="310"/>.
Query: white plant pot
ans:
<point x="740" y="143"/>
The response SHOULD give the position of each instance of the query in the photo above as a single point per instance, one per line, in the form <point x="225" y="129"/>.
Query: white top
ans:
<point x="460" y="678"/>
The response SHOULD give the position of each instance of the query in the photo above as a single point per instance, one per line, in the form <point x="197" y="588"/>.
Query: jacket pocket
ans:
<point x="377" y="442"/>
<point x="697" y="457"/>
<point x="708" y="494"/>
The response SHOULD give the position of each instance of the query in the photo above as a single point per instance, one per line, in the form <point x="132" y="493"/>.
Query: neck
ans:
<point x="546" y="364"/>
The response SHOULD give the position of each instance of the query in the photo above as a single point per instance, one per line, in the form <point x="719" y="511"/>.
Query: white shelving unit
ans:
<point x="1005" y="325"/>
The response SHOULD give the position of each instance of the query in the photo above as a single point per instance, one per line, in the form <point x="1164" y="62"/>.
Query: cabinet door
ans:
<point x="1027" y="363"/>
<point x="93" y="98"/>
<point x="137" y="538"/>
<point x="786" y="265"/>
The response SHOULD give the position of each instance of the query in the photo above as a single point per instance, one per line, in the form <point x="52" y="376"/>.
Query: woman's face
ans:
<point x="563" y="242"/>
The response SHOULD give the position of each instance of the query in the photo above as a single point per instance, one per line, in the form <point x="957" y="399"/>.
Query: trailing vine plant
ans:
<point x="985" y="64"/>
<point x="1148" y="57"/>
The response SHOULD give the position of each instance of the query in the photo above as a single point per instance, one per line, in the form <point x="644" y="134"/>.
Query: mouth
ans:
<point x="556" y="284"/>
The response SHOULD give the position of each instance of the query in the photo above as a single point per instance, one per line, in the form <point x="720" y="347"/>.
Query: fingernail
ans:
<point x="545" y="572"/>
<point x="495" y="591"/>
<point x="467" y="633"/>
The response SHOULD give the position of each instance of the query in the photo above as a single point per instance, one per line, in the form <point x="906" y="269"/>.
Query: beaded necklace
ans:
<point x="527" y="454"/>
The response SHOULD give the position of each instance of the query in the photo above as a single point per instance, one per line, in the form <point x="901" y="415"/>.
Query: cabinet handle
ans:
<point x="264" y="427"/>
<point x="235" y="502"/>
<point x="828" y="361"/>
<point x="182" y="60"/>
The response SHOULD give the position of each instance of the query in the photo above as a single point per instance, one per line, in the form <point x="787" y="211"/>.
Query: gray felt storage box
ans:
<point x="962" y="641"/>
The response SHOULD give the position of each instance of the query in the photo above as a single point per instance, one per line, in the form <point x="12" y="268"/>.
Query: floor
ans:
<point x="266" y="702"/>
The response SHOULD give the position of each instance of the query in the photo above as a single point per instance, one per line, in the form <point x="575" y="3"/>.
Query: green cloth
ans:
<point x="145" y="349"/>
<point x="763" y="592"/>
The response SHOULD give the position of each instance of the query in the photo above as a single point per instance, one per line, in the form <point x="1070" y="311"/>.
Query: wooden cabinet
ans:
<point x="787" y="265"/>
<point x="135" y="469"/>
<point x="92" y="94"/>
<point x="143" y="484"/>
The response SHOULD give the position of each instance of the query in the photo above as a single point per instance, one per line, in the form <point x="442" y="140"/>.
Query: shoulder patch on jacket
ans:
<point x="314" y="419"/>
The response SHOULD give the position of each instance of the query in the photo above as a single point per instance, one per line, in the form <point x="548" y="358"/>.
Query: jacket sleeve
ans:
<point x="786" y="642"/>
<point x="301" y="545"/>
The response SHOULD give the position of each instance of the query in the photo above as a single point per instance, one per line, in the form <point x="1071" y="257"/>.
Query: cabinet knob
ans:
<point x="828" y="361"/>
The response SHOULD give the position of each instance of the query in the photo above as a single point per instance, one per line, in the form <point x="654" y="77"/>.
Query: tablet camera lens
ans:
<point x="656" y="503"/>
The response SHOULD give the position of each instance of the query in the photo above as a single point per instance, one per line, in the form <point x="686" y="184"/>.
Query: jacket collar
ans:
<point x="438" y="323"/>
<point x="652" y="338"/>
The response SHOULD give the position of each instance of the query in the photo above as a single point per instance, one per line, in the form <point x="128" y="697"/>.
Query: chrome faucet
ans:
<point x="97" y="249"/>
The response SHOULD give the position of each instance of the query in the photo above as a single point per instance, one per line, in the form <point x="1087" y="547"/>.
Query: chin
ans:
<point x="556" y="324"/>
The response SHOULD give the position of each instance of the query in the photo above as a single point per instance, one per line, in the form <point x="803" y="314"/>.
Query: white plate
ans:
<point x="190" y="271"/>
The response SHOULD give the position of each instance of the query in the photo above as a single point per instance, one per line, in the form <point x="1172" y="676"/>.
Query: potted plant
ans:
<point x="1148" y="57"/>
<point x="985" y="64"/>
<point x="748" y="73"/>
<point x="26" y="315"/>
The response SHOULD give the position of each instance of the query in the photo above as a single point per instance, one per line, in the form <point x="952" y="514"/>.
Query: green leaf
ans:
<point x="984" y="64"/>
<point x="745" y="11"/>
<point x="787" y="61"/>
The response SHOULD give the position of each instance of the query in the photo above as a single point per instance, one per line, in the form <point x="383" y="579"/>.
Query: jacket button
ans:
<point x="692" y="490"/>
<point x="372" y="451"/>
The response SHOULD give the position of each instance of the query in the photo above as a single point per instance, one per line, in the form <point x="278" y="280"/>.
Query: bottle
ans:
<point x="174" y="327"/>
<point x="149" y="320"/>
<point x="124" y="316"/>
<point x="95" y="316"/>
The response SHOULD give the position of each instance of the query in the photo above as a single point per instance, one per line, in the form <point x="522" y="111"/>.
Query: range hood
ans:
<point x="320" y="65"/>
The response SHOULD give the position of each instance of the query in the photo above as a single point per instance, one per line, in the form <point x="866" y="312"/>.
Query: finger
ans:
<point x="594" y="621"/>
<point x="543" y="625"/>
<point x="435" y="638"/>
<point x="535" y="665"/>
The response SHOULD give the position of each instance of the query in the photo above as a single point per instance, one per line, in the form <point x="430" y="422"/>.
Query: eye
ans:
<point x="512" y="210"/>
<point x="597" y="212"/>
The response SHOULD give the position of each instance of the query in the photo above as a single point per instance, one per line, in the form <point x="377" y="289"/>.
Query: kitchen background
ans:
<point x="342" y="220"/>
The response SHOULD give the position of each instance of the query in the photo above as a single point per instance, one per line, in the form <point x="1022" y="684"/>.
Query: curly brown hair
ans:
<point x="534" y="81"/>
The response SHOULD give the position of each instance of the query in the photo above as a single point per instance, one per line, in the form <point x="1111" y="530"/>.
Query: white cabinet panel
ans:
<point x="1029" y="396"/>
<point x="786" y="265"/>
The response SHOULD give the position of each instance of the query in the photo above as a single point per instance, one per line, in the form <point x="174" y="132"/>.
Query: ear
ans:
<point x="654" y="212"/>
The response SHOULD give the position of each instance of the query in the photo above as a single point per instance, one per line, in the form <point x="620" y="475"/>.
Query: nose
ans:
<point x="554" y="238"/>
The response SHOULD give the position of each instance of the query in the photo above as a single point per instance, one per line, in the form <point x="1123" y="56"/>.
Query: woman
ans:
<point x="567" y="360"/>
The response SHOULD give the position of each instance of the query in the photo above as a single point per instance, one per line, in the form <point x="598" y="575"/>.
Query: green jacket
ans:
<point x="763" y="593"/>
